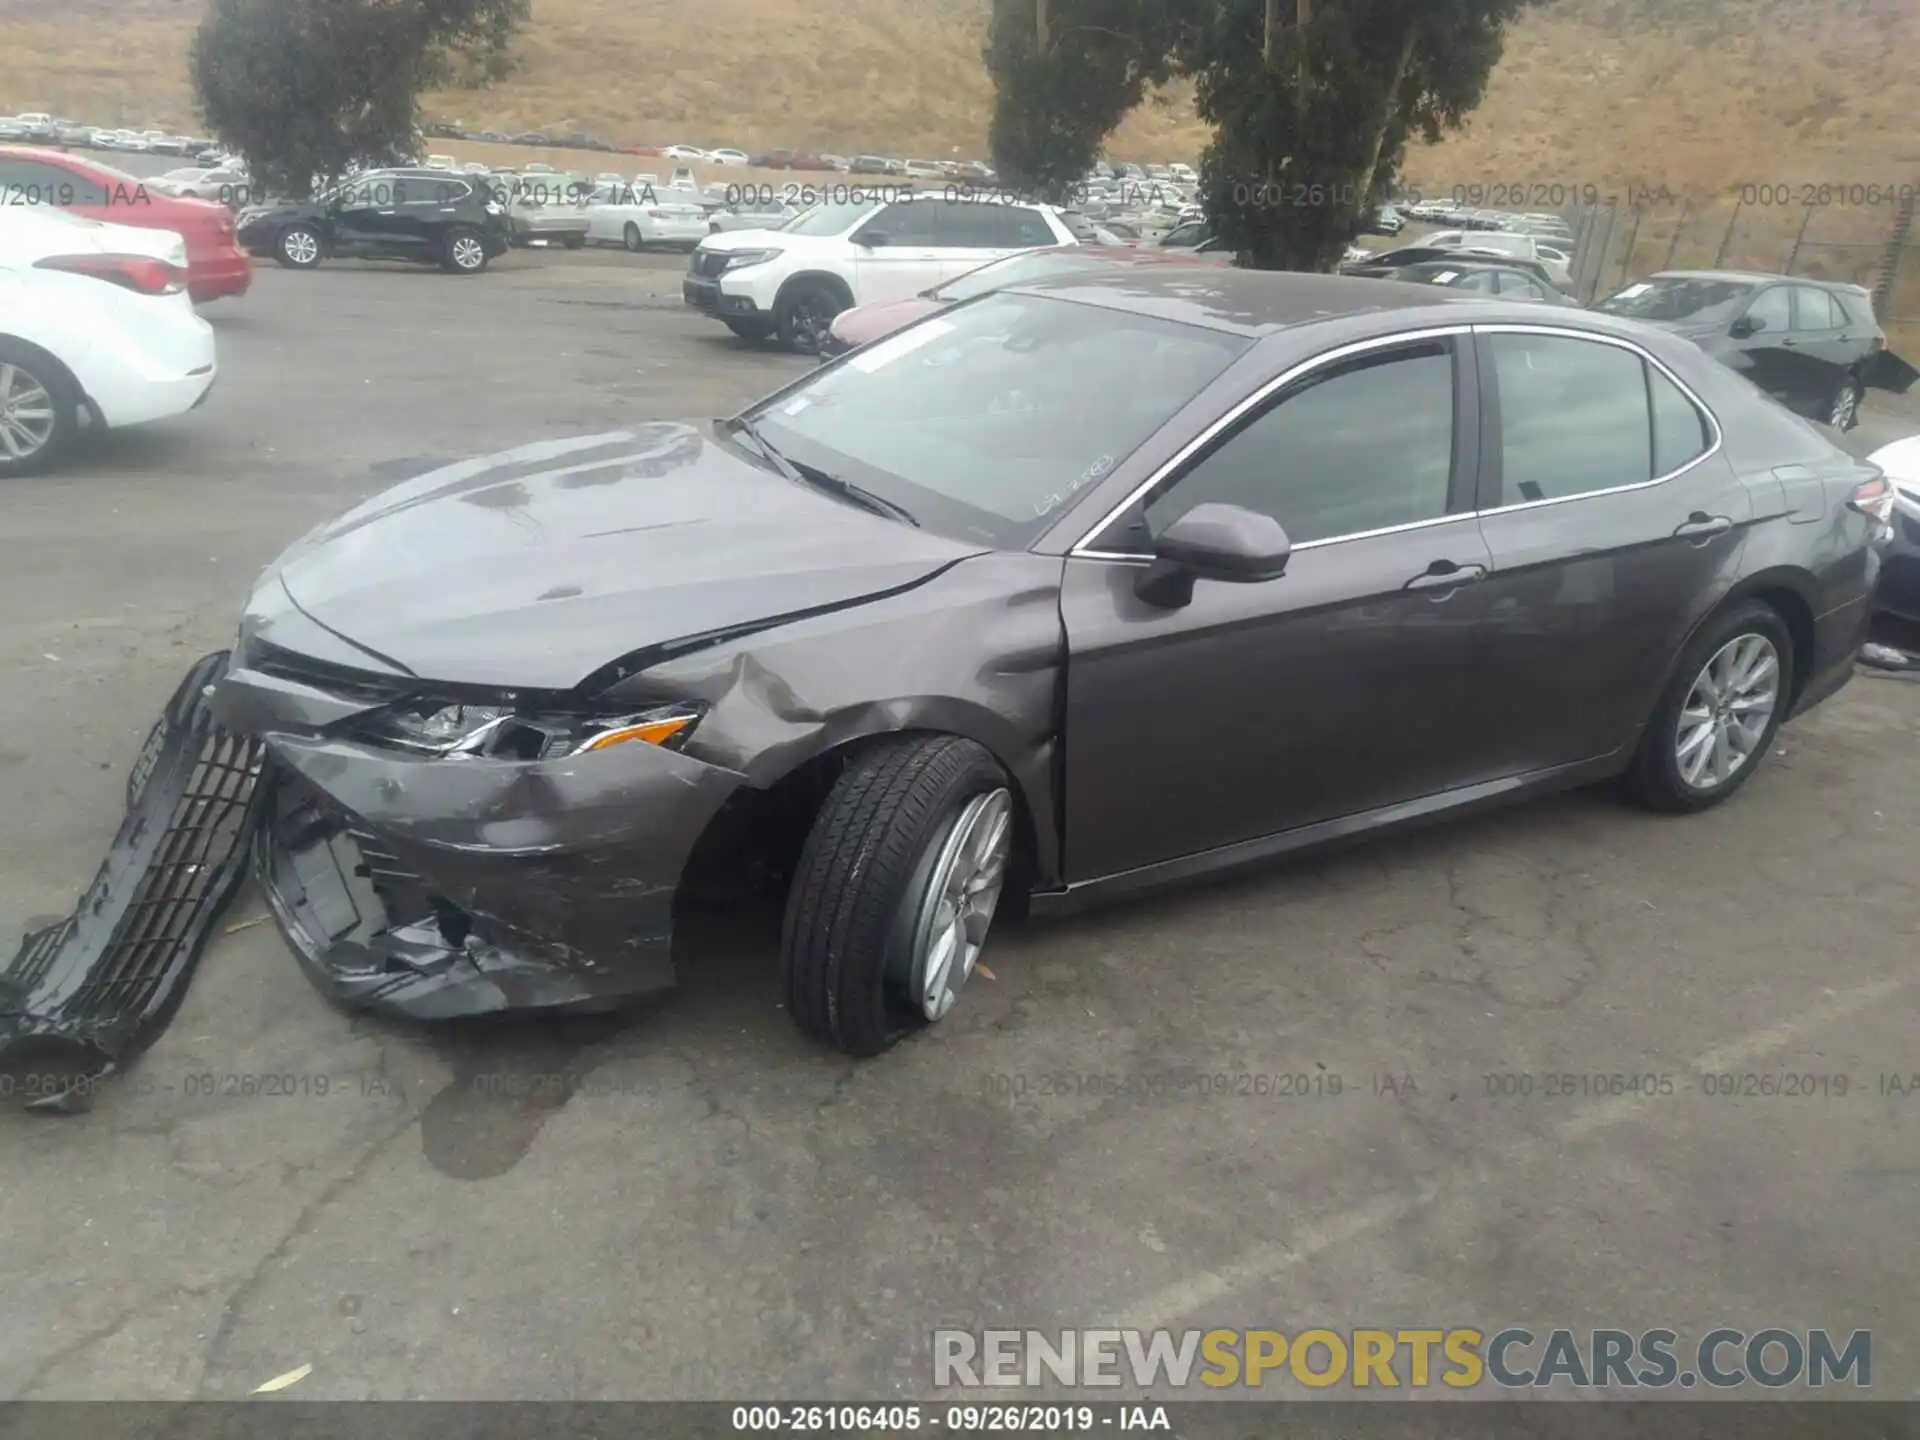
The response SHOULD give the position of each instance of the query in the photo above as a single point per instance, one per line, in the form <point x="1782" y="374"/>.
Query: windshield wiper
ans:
<point x="820" y="479"/>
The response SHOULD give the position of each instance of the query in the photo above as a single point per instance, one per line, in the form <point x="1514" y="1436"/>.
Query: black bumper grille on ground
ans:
<point x="86" y="994"/>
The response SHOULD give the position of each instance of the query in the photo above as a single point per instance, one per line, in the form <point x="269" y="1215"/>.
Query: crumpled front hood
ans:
<point x="535" y="568"/>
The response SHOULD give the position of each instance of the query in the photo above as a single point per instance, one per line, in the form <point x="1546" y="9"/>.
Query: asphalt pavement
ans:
<point x="1315" y="1096"/>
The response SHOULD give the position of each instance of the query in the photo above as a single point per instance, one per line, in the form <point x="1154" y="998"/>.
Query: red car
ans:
<point x="216" y="265"/>
<point x="866" y="323"/>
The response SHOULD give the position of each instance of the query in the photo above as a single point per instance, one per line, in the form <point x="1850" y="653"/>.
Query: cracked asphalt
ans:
<point x="693" y="1202"/>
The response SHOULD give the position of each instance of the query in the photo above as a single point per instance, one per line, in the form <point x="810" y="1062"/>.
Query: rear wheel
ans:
<point x="466" y="251"/>
<point x="805" y="313"/>
<point x="1717" y="720"/>
<point x="631" y="237"/>
<point x="299" y="247"/>
<point x="895" y="890"/>
<point x="1843" y="411"/>
<point x="39" y="413"/>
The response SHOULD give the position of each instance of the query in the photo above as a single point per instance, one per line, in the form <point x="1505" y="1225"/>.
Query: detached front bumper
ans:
<point x="438" y="888"/>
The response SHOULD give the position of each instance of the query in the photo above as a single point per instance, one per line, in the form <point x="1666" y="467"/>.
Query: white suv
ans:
<point x="792" y="281"/>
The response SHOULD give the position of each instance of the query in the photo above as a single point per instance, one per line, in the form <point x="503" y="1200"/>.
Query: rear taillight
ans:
<point x="1874" y="499"/>
<point x="140" y="273"/>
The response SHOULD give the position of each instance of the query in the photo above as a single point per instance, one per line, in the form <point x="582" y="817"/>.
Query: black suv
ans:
<point x="431" y="217"/>
<point x="1813" y="345"/>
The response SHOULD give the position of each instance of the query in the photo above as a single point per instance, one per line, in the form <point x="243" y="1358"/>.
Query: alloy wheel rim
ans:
<point x="301" y="247"/>
<point x="26" y="413"/>
<point x="466" y="253"/>
<point x="958" y="904"/>
<point x="1727" y="711"/>
<point x="1844" y="406"/>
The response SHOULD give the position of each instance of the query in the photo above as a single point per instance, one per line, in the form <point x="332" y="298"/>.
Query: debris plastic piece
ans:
<point x="1890" y="661"/>
<point x="281" y="1382"/>
<point x="83" y="997"/>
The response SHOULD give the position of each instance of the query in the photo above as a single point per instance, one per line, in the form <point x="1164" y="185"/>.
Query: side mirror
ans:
<point x="1746" y="325"/>
<point x="1214" y="542"/>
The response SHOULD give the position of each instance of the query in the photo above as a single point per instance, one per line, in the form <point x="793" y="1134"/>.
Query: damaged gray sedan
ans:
<point x="1072" y="589"/>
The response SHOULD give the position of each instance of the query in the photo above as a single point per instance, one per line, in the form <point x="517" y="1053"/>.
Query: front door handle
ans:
<point x="1701" y="526"/>
<point x="1445" y="575"/>
<point x="1789" y="344"/>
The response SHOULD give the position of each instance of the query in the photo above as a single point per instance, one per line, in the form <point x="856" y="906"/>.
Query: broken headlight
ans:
<point x="510" y="731"/>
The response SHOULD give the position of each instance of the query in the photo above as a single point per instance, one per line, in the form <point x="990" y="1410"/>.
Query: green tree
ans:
<point x="305" y="88"/>
<point x="1312" y="103"/>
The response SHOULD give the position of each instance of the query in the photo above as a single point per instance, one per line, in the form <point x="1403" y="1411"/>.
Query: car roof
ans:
<point x="1242" y="302"/>
<point x="1747" y="277"/>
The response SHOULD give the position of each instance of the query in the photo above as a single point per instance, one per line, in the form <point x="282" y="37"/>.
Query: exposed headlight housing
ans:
<point x="506" y="730"/>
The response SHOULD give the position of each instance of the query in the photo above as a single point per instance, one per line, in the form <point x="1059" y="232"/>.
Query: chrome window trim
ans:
<point x="1619" y="342"/>
<point x="1085" y="550"/>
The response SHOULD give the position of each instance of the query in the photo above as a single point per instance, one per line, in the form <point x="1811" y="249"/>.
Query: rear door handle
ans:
<point x="1789" y="344"/>
<point x="1703" y="527"/>
<point x="1445" y="575"/>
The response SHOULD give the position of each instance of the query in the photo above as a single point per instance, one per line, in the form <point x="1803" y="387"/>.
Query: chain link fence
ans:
<point x="1765" y="228"/>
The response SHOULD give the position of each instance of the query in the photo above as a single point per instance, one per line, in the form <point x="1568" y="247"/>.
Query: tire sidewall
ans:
<point x="1660" y="765"/>
<point x="66" y="412"/>
<point x="630" y="237"/>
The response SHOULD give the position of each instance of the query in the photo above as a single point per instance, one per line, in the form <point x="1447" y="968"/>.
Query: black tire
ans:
<point x="858" y="881"/>
<point x="1843" y="408"/>
<point x="575" y="242"/>
<point x="758" y="331"/>
<point x="803" y="313"/>
<point x="465" y="253"/>
<point x="630" y="237"/>
<point x="28" y="373"/>
<point x="299" y="247"/>
<point x="1654" y="779"/>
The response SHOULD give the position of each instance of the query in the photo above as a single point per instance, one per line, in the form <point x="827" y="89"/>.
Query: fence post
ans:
<point x="1793" y="255"/>
<point x="1626" y="252"/>
<point x="1720" y="255"/>
<point x="1599" y="255"/>
<point x="1890" y="266"/>
<point x="1679" y="229"/>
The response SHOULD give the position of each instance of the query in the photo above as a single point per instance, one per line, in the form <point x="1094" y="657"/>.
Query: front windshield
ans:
<point x="833" y="217"/>
<point x="1019" y="269"/>
<point x="1672" y="298"/>
<point x="983" y="421"/>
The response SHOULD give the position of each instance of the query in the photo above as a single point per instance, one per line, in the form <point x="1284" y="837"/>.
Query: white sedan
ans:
<point x="728" y="157"/>
<point x="109" y="303"/>
<point x="638" y="217"/>
<point x="683" y="152"/>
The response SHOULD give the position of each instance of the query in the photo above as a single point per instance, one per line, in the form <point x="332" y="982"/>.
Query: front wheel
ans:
<point x="299" y="247"/>
<point x="895" y="890"/>
<point x="466" y="252"/>
<point x="632" y="239"/>
<point x="39" y="412"/>
<point x="1716" y="722"/>
<point x="805" y="314"/>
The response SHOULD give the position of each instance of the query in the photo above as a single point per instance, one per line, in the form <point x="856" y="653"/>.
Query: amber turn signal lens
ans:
<point x="654" y="732"/>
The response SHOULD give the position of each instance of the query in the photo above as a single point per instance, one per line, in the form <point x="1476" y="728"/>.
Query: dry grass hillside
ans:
<point x="1701" y="94"/>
